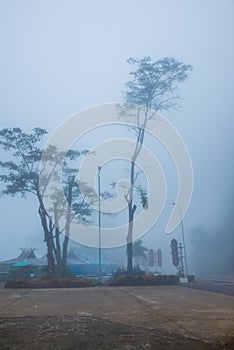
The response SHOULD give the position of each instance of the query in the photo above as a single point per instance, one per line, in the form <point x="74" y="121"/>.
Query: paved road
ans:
<point x="193" y="313"/>
<point x="222" y="287"/>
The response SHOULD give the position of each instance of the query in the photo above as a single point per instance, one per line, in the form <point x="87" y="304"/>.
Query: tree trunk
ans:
<point x="57" y="236"/>
<point x="129" y="240"/>
<point x="48" y="239"/>
<point x="50" y="256"/>
<point x="132" y="207"/>
<point x="68" y="221"/>
<point x="131" y="211"/>
<point x="138" y="262"/>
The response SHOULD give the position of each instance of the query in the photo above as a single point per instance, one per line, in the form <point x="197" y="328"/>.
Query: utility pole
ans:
<point x="182" y="231"/>
<point x="181" y="258"/>
<point x="99" y="227"/>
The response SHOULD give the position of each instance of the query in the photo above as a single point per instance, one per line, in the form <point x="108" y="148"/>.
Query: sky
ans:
<point x="60" y="57"/>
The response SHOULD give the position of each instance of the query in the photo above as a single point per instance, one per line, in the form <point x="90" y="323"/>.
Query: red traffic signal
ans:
<point x="151" y="257"/>
<point x="159" y="257"/>
<point x="175" y="252"/>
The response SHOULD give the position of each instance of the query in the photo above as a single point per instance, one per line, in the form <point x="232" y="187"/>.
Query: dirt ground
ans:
<point x="111" y="318"/>
<point x="88" y="333"/>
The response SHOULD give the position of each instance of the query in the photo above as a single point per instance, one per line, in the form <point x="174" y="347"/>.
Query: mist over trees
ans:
<point x="152" y="88"/>
<point x="139" y="252"/>
<point x="213" y="250"/>
<point x="20" y="175"/>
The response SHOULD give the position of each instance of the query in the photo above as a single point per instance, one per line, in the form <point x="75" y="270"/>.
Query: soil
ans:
<point x="90" y="333"/>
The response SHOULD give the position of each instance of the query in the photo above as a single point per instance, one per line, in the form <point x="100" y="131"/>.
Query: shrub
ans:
<point x="119" y="272"/>
<point x="125" y="279"/>
<point x="51" y="282"/>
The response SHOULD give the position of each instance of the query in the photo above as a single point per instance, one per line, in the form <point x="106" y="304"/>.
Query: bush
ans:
<point x="3" y="276"/>
<point x="63" y="271"/>
<point x="60" y="271"/>
<point x="142" y="280"/>
<point x="51" y="282"/>
<point x="119" y="272"/>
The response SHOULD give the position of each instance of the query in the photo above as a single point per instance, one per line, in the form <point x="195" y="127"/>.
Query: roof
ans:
<point x="103" y="262"/>
<point x="73" y="258"/>
<point x="27" y="255"/>
<point x="21" y="264"/>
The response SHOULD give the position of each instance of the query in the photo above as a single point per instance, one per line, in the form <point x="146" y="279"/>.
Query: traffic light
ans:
<point x="175" y="252"/>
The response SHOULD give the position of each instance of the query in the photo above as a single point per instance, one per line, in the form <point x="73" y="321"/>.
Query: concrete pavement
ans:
<point x="193" y="313"/>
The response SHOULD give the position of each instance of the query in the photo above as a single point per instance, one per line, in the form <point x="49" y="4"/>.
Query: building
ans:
<point x="28" y="265"/>
<point x="25" y="265"/>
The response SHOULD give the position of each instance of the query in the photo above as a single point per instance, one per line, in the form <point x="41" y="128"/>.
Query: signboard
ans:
<point x="175" y="252"/>
<point x="151" y="257"/>
<point x="159" y="257"/>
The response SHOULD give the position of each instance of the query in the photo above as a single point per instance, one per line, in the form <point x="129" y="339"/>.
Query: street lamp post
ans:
<point x="99" y="227"/>
<point x="182" y="230"/>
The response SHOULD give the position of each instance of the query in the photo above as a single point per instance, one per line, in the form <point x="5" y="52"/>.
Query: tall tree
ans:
<point x="151" y="89"/>
<point x="68" y="205"/>
<point x="20" y="175"/>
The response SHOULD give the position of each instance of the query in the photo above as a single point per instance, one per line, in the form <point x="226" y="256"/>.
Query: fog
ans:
<point x="213" y="253"/>
<point x="59" y="57"/>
